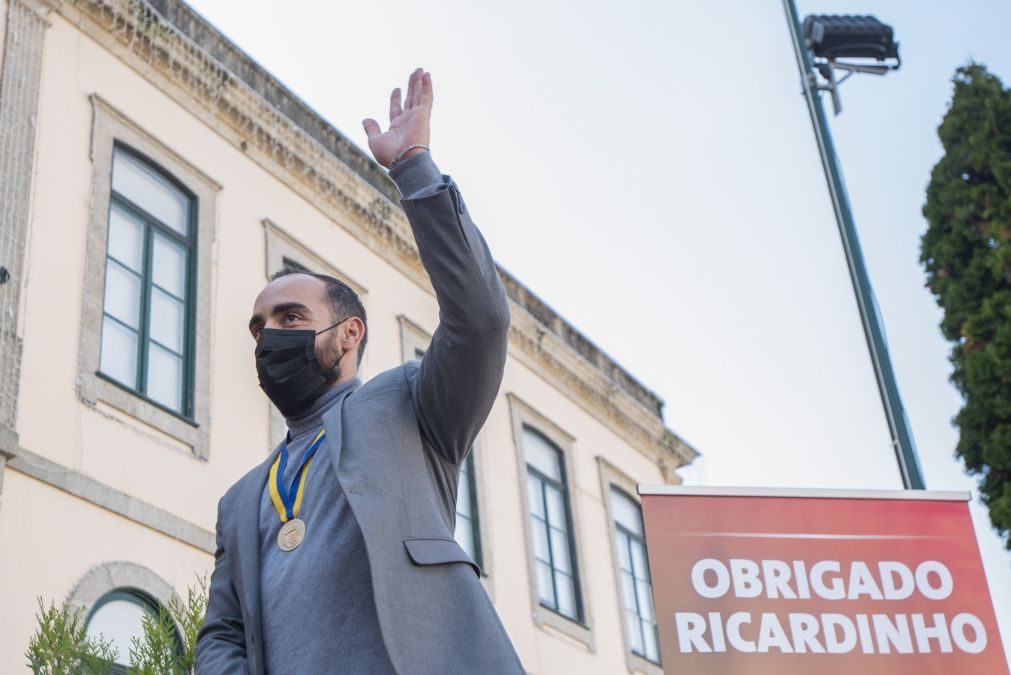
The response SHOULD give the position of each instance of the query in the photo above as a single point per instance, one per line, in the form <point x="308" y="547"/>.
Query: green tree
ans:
<point x="170" y="637"/>
<point x="966" y="251"/>
<point x="60" y="645"/>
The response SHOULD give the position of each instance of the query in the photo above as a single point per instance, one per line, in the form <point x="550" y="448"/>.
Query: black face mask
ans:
<point x="290" y="375"/>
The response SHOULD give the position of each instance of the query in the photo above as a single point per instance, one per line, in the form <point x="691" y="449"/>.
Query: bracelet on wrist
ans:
<point x="399" y="158"/>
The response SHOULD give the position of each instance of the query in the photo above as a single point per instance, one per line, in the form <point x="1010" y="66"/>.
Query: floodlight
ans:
<point x="834" y="37"/>
<point x="830" y="38"/>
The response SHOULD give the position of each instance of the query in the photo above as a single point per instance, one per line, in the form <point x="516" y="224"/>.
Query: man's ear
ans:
<point x="354" y="332"/>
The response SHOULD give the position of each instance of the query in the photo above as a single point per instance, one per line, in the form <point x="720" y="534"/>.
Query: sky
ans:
<point x="649" y="170"/>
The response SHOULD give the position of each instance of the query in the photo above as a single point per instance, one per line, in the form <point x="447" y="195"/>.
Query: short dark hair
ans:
<point x="344" y="302"/>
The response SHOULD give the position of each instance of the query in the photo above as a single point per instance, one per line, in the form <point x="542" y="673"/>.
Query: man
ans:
<point x="336" y="555"/>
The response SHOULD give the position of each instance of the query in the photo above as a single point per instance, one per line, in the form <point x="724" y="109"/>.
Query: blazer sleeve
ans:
<point x="459" y="377"/>
<point x="221" y="642"/>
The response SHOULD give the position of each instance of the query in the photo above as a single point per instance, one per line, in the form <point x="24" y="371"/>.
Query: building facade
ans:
<point x="152" y="177"/>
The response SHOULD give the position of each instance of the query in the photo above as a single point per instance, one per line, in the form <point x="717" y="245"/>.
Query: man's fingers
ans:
<point x="426" y="90"/>
<point x="395" y="108"/>
<point x="371" y="127"/>
<point x="410" y="102"/>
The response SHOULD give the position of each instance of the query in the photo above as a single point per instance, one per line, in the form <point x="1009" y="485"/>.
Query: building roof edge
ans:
<point x="273" y="91"/>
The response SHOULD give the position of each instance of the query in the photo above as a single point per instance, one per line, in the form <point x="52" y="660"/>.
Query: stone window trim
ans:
<point x="612" y="476"/>
<point x="414" y="338"/>
<point x="119" y="575"/>
<point x="110" y="128"/>
<point x="525" y="415"/>
<point x="280" y="247"/>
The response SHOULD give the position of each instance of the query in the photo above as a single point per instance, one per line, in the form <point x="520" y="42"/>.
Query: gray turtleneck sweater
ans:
<point x="318" y="612"/>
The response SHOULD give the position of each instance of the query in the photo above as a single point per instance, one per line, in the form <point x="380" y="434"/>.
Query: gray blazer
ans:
<point x="397" y="444"/>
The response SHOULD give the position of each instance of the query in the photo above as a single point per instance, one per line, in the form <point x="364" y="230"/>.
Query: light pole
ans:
<point x="829" y="38"/>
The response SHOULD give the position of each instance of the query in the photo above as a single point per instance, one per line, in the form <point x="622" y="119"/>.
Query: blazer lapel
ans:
<point x="332" y="422"/>
<point x="248" y="536"/>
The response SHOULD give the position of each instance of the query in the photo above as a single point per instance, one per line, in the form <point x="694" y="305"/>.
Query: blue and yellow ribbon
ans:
<point x="289" y="502"/>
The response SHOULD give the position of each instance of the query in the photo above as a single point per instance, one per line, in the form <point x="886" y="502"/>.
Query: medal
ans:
<point x="291" y="534"/>
<point x="288" y="502"/>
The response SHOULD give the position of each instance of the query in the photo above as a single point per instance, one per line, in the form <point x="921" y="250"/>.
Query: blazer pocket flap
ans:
<point x="438" y="552"/>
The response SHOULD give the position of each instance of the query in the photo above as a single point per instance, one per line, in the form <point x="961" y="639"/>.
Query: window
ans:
<point x="285" y="250"/>
<point x="289" y="264"/>
<point x="117" y="618"/>
<point x="146" y="312"/>
<point x="636" y="590"/>
<point x="551" y="516"/>
<point x="633" y="593"/>
<point x="467" y="533"/>
<point x="554" y="550"/>
<point x="115" y="597"/>
<point x="145" y="341"/>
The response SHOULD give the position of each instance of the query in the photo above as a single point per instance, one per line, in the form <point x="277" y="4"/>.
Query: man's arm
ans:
<point x="221" y="642"/>
<point x="460" y="375"/>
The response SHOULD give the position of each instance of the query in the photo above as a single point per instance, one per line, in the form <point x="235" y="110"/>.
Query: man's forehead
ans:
<point x="301" y="288"/>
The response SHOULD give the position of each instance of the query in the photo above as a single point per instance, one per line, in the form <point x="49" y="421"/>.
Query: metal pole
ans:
<point x="898" y="424"/>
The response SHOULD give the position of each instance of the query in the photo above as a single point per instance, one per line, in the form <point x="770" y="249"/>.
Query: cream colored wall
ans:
<point x="51" y="539"/>
<point x="127" y="456"/>
<point x="58" y="537"/>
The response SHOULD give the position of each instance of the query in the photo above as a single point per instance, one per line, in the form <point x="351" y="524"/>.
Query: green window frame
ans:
<point x="149" y="306"/>
<point x="135" y="597"/>
<point x="555" y="561"/>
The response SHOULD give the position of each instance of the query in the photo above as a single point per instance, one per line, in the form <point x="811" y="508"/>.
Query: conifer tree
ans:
<point x="966" y="252"/>
<point x="61" y="645"/>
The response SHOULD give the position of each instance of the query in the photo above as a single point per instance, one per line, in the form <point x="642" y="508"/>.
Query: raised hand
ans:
<point x="409" y="124"/>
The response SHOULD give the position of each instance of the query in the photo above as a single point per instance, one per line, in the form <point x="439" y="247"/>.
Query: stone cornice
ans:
<point x="42" y="8"/>
<point x="569" y="371"/>
<point x="235" y="60"/>
<point x="192" y="63"/>
<point x="559" y="327"/>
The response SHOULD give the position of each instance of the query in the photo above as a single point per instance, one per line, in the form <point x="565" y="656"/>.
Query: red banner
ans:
<point x="832" y="582"/>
